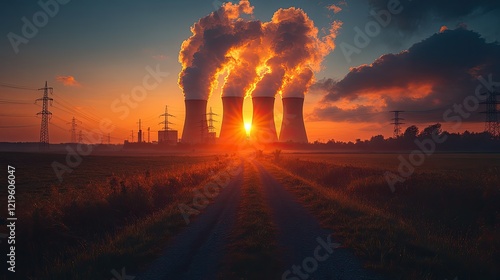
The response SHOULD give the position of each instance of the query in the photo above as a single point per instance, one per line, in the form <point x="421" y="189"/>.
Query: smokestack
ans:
<point x="292" y="127"/>
<point x="263" y="127"/>
<point x="195" y="125"/>
<point x="232" y="129"/>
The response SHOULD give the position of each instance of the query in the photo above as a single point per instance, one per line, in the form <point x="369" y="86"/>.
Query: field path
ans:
<point x="195" y="253"/>
<point x="298" y="233"/>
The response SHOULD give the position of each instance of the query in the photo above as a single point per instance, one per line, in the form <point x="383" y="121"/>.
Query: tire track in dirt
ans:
<point x="196" y="252"/>
<point x="298" y="235"/>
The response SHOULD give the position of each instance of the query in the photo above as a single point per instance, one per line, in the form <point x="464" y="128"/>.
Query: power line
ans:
<point x="13" y="86"/>
<point x="20" y="102"/>
<point x="18" y="126"/>
<point x="15" y="116"/>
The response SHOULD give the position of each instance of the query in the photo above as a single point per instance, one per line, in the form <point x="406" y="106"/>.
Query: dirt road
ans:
<point x="195" y="253"/>
<point x="307" y="250"/>
<point x="300" y="234"/>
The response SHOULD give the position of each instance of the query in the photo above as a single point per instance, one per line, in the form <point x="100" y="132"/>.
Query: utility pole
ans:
<point x="149" y="134"/>
<point x="46" y="115"/>
<point x="397" y="123"/>
<point x="132" y="136"/>
<point x="109" y="139"/>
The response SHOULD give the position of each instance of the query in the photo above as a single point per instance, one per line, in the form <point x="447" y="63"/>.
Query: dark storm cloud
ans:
<point x="417" y="13"/>
<point x="429" y="77"/>
<point x="358" y="114"/>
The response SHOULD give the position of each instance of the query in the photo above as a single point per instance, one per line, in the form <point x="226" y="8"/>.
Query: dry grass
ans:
<point x="435" y="226"/>
<point x="252" y="250"/>
<point x="87" y="231"/>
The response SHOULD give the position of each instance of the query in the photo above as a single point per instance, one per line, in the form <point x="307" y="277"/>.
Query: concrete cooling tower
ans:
<point x="195" y="125"/>
<point x="263" y="127"/>
<point x="232" y="128"/>
<point x="292" y="127"/>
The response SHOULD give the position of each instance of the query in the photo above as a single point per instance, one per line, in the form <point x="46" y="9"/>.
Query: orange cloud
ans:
<point x="443" y="29"/>
<point x="69" y="81"/>
<point x="334" y="8"/>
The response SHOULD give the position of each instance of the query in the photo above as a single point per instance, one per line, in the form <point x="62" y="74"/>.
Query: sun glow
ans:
<point x="248" y="127"/>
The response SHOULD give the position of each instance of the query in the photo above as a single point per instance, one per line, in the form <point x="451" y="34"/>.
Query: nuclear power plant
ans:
<point x="195" y="125"/>
<point x="263" y="127"/>
<point x="292" y="127"/>
<point x="232" y="128"/>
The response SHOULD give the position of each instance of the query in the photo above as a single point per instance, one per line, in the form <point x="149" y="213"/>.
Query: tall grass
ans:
<point x="67" y="223"/>
<point x="252" y="251"/>
<point x="434" y="225"/>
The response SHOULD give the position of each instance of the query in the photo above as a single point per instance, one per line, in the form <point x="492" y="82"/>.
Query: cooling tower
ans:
<point x="195" y="125"/>
<point x="263" y="127"/>
<point x="232" y="128"/>
<point x="292" y="127"/>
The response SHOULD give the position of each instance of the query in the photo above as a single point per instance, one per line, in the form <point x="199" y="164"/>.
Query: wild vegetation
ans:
<point x="438" y="224"/>
<point x="85" y="231"/>
<point x="252" y="252"/>
<point x="451" y="142"/>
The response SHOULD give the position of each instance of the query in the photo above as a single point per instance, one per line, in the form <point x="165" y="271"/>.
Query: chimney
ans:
<point x="263" y="127"/>
<point x="292" y="127"/>
<point x="195" y="125"/>
<point x="232" y="129"/>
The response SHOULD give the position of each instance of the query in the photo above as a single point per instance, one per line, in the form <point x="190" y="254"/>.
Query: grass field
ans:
<point x="442" y="221"/>
<point x="35" y="174"/>
<point x="93" y="217"/>
<point x="436" y="162"/>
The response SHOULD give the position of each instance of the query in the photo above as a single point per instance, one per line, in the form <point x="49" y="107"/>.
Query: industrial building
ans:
<point x="167" y="137"/>
<point x="196" y="129"/>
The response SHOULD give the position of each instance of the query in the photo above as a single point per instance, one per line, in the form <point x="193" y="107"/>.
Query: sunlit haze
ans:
<point x="120" y="64"/>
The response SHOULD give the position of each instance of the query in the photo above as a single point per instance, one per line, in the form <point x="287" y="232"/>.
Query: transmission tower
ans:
<point x="74" y="124"/>
<point x="397" y="123"/>
<point x="211" y="127"/>
<point x="109" y="138"/>
<point x="46" y="115"/>
<point x="132" y="136"/>
<point x="492" y="125"/>
<point x="149" y="134"/>
<point x="165" y="123"/>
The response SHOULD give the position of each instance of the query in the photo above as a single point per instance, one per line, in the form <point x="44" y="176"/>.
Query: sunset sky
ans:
<point x="426" y="58"/>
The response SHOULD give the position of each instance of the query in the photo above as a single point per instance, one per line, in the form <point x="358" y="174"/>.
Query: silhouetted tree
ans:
<point x="428" y="131"/>
<point x="411" y="132"/>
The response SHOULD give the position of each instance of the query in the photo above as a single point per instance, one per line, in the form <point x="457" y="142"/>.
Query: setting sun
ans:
<point x="248" y="127"/>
